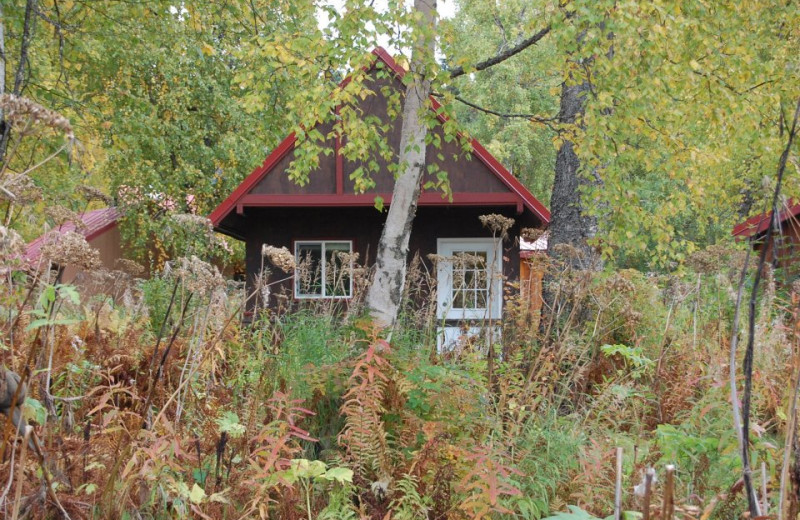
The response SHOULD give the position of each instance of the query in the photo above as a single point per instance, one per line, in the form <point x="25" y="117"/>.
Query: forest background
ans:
<point x="687" y="109"/>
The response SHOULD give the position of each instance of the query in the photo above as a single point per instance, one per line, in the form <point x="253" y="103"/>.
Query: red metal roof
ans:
<point x="95" y="223"/>
<point x="758" y="224"/>
<point x="526" y="197"/>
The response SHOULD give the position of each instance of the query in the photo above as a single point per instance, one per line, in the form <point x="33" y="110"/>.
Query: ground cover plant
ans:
<point x="159" y="402"/>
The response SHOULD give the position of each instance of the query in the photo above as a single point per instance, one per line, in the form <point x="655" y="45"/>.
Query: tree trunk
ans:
<point x="19" y="76"/>
<point x="386" y="292"/>
<point x="2" y="58"/>
<point x="570" y="223"/>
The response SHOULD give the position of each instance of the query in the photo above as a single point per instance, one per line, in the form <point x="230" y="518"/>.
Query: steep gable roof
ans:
<point x="520" y="195"/>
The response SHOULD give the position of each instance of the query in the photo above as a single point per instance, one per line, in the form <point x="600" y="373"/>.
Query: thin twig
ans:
<point x="18" y="493"/>
<point x="618" y="487"/>
<point x="752" y="500"/>
<point x="737" y="413"/>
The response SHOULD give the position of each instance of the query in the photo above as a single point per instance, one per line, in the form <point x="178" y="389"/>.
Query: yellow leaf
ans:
<point x="197" y="494"/>
<point x="208" y="50"/>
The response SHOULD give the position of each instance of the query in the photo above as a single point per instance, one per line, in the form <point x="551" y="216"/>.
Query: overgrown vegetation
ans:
<point x="160" y="403"/>
<point x="148" y="397"/>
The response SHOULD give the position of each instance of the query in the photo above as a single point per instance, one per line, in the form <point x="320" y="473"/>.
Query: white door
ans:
<point x="469" y="279"/>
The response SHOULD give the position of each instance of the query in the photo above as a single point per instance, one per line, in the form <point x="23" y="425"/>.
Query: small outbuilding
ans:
<point x="100" y="229"/>
<point x="783" y="247"/>
<point x="324" y="222"/>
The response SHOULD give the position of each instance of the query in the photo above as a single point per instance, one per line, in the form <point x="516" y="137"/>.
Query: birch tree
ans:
<point x="386" y="291"/>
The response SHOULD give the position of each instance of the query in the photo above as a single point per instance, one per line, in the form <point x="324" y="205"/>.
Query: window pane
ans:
<point x="470" y="280"/>
<point x="338" y="267"/>
<point x="458" y="299"/>
<point x="481" y="297"/>
<point x="308" y="275"/>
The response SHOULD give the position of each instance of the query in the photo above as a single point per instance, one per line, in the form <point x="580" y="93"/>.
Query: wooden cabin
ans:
<point x="325" y="220"/>
<point x="100" y="229"/>
<point x="783" y="247"/>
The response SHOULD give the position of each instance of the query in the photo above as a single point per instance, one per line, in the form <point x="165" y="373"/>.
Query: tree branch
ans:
<point x="531" y="117"/>
<point x="19" y="76"/>
<point x="503" y="56"/>
<point x="752" y="500"/>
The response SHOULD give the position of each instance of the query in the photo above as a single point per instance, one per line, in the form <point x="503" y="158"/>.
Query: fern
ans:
<point x="486" y="483"/>
<point x="364" y="434"/>
<point x="408" y="504"/>
<point x="340" y="504"/>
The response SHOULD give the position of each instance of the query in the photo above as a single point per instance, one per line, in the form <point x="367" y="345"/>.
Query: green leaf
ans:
<point x="229" y="423"/>
<point x="304" y="468"/>
<point x="69" y="292"/>
<point x="575" y="513"/>
<point x="197" y="494"/>
<point x="340" y="475"/>
<point x="34" y="410"/>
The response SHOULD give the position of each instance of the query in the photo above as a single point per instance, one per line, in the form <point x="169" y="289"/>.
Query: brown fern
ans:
<point x="364" y="434"/>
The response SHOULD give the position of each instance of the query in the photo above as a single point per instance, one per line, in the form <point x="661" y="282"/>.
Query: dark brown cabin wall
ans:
<point x="788" y="249"/>
<point x="320" y="181"/>
<point x="280" y="227"/>
<point x="375" y="106"/>
<point x="465" y="173"/>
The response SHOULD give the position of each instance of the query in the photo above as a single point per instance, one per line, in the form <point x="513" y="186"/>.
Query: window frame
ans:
<point x="322" y="243"/>
<point x="447" y="247"/>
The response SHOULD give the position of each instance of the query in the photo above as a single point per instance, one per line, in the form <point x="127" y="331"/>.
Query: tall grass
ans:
<point x="161" y="403"/>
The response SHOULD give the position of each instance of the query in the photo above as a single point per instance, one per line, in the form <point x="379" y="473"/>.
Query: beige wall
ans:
<point x="109" y="245"/>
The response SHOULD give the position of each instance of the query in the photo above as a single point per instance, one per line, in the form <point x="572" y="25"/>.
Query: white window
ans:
<point x="324" y="269"/>
<point x="469" y="278"/>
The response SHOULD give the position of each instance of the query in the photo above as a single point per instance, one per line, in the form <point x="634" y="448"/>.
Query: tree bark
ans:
<point x="570" y="222"/>
<point x="2" y="58"/>
<point x="386" y="292"/>
<point x="19" y="76"/>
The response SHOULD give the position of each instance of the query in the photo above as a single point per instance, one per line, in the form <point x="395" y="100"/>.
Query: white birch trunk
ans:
<point x="386" y="292"/>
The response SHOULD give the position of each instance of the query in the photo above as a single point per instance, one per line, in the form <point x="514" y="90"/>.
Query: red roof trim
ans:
<point x="368" y="199"/>
<point x="255" y="176"/>
<point x="237" y="196"/>
<point x="758" y="224"/>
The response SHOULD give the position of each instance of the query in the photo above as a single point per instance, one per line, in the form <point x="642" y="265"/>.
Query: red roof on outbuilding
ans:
<point x="758" y="224"/>
<point x="95" y="223"/>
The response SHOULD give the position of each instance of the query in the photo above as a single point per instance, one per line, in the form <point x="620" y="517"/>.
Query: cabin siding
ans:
<point x="281" y="227"/>
<point x="787" y="245"/>
<point x="109" y="247"/>
<point x="322" y="180"/>
<point x="466" y="174"/>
